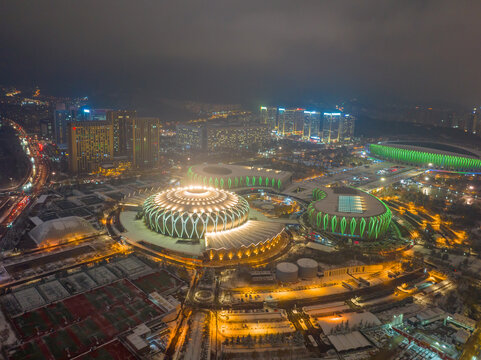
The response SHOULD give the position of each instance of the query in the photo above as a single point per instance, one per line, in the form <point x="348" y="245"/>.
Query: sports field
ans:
<point x="112" y="351"/>
<point x="74" y="325"/>
<point x="159" y="281"/>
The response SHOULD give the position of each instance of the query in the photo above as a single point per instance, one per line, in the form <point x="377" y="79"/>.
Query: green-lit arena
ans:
<point x="349" y="212"/>
<point x="230" y="177"/>
<point x="429" y="155"/>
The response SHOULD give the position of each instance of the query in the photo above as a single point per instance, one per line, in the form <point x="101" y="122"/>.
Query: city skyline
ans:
<point x="269" y="180"/>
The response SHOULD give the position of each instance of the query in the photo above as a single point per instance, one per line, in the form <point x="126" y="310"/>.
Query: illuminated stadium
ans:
<point x="198" y="223"/>
<point x="191" y="212"/>
<point x="429" y="155"/>
<point x="234" y="177"/>
<point x="348" y="212"/>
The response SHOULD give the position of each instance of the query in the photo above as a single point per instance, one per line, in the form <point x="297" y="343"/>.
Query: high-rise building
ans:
<point x="291" y="121"/>
<point x="348" y="124"/>
<point x="72" y="111"/>
<point x="62" y="119"/>
<point x="92" y="114"/>
<point x="64" y="113"/>
<point x="145" y="142"/>
<point x="312" y="125"/>
<point x="337" y="127"/>
<point x="269" y="116"/>
<point x="191" y="136"/>
<point x="242" y="136"/>
<point x="47" y="129"/>
<point x="122" y="121"/>
<point x="90" y="145"/>
<point x="331" y="127"/>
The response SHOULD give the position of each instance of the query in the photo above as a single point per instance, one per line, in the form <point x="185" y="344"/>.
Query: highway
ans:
<point x="24" y="193"/>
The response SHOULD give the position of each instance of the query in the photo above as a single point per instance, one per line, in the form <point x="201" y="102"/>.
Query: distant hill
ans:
<point x="373" y="128"/>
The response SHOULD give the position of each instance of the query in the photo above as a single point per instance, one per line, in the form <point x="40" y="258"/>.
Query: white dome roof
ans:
<point x="61" y="230"/>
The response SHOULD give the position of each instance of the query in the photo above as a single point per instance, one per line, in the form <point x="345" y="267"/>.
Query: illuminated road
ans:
<point x="34" y="182"/>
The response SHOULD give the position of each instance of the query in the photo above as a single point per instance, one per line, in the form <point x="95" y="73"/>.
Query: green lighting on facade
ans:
<point x="373" y="227"/>
<point x="234" y="181"/>
<point x="426" y="159"/>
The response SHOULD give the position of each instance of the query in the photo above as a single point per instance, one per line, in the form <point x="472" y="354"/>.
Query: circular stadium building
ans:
<point x="235" y="177"/>
<point x="428" y="154"/>
<point x="191" y="212"/>
<point x="198" y="224"/>
<point x="349" y="212"/>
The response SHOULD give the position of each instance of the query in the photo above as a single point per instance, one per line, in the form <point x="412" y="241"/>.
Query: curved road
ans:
<point x="38" y="177"/>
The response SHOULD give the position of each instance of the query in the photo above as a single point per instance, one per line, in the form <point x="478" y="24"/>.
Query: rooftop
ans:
<point x="356" y="204"/>
<point x="62" y="230"/>
<point x="351" y="341"/>
<point x="329" y="324"/>
<point x="237" y="170"/>
<point x="251" y="233"/>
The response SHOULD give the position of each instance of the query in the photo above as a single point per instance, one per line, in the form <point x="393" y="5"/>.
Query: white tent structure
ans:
<point x="61" y="230"/>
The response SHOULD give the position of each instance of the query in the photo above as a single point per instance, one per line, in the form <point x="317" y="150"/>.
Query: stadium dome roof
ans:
<point x="61" y="230"/>
<point x="191" y="212"/>
<point x="348" y="211"/>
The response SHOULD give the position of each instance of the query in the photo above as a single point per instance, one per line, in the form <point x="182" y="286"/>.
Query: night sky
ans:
<point x="249" y="52"/>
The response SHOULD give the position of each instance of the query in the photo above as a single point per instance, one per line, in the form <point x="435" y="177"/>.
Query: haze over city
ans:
<point x="240" y="180"/>
<point x="246" y="52"/>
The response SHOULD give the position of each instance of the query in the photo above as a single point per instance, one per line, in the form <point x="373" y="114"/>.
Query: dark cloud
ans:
<point x="246" y="51"/>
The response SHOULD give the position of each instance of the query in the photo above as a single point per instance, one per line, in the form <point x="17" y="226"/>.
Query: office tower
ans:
<point x="312" y="125"/>
<point x="337" y="127"/>
<point x="269" y="116"/>
<point x="68" y="112"/>
<point x="291" y="121"/>
<point x="348" y="124"/>
<point x="86" y="114"/>
<point x="90" y="145"/>
<point x="331" y="127"/>
<point x="122" y="121"/>
<point x="241" y="136"/>
<point x="62" y="119"/>
<point x="191" y="136"/>
<point x="47" y="128"/>
<point x="145" y="142"/>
